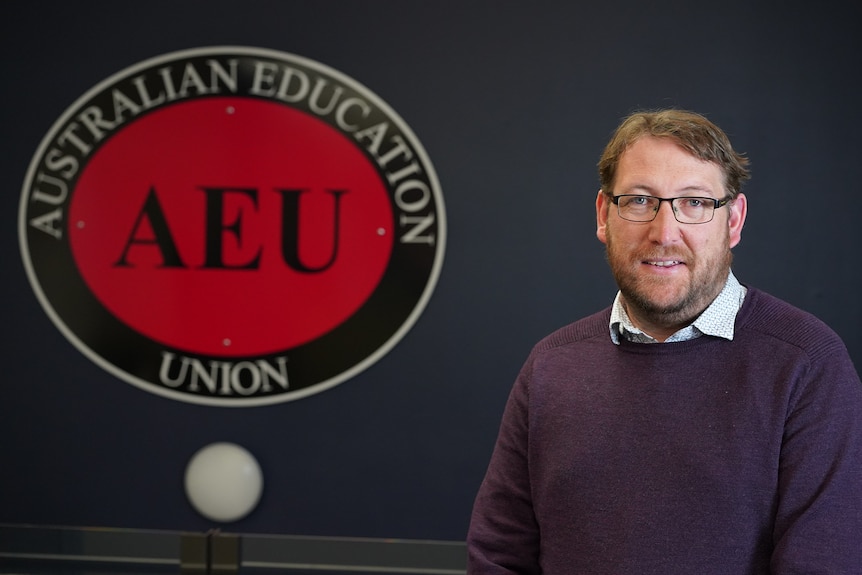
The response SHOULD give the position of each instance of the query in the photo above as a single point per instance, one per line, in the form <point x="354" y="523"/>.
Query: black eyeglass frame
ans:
<point x="716" y="204"/>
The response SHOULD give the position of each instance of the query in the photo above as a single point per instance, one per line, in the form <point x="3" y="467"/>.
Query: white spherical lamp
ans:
<point x="223" y="482"/>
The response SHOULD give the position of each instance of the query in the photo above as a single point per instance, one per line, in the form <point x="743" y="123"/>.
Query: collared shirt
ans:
<point x="716" y="320"/>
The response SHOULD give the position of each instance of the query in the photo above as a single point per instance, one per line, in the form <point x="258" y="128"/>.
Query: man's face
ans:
<point x="668" y="272"/>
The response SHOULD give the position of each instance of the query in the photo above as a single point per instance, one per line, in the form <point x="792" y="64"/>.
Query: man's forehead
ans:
<point x="652" y="164"/>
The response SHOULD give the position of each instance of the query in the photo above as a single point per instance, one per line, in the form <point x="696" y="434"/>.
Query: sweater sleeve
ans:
<point x="818" y="523"/>
<point x="504" y="536"/>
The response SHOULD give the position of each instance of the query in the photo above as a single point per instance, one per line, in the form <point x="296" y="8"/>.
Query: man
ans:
<point x="697" y="426"/>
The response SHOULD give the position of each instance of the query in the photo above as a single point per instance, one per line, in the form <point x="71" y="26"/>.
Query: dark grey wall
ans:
<point x="513" y="102"/>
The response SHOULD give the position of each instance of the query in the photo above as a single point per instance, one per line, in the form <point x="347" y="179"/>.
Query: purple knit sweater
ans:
<point x="702" y="457"/>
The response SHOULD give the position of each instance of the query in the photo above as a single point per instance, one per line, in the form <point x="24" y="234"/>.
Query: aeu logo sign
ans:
<point x="232" y="226"/>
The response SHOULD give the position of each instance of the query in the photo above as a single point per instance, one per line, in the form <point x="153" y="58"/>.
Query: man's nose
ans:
<point x="664" y="229"/>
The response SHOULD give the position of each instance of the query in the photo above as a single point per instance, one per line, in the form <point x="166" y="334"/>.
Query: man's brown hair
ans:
<point x="691" y="131"/>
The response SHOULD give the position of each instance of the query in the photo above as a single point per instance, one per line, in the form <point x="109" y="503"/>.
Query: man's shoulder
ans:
<point x="780" y="320"/>
<point x="587" y="328"/>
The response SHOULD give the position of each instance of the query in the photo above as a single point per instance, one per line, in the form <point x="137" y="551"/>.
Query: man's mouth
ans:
<point x="663" y="263"/>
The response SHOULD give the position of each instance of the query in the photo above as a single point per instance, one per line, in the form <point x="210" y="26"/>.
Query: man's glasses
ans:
<point x="686" y="210"/>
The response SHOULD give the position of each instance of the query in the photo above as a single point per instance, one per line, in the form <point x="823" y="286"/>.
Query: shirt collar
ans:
<point x="717" y="320"/>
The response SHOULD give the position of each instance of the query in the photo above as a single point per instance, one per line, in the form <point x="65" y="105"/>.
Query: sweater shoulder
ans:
<point x="590" y="327"/>
<point x="780" y="321"/>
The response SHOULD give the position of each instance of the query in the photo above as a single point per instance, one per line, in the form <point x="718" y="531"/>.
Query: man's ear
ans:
<point x="738" y="210"/>
<point x="602" y="204"/>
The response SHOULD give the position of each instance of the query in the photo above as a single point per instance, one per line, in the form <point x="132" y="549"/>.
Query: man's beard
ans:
<point x="706" y="280"/>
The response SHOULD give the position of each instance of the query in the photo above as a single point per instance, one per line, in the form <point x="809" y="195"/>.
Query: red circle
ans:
<point x="172" y="284"/>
